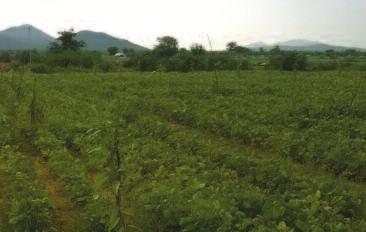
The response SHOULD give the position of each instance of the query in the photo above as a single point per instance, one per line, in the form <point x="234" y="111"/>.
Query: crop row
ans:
<point x="314" y="120"/>
<point x="29" y="207"/>
<point x="175" y="171"/>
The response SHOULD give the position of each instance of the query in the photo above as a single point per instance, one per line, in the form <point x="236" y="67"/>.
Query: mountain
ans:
<point x="257" y="45"/>
<point x="297" y="43"/>
<point x="301" y="45"/>
<point x="17" y="38"/>
<point x="20" y="37"/>
<point x="100" y="41"/>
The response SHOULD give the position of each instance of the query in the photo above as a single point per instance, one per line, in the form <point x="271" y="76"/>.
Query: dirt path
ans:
<point x="66" y="212"/>
<point x="68" y="215"/>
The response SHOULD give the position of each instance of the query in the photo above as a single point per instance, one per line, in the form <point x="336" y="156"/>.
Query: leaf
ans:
<point x="117" y="188"/>
<point x="128" y="211"/>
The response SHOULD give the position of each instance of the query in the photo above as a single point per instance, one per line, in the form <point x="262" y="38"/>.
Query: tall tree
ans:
<point x="230" y="47"/>
<point x="275" y="50"/>
<point x="67" y="41"/>
<point x="167" y="46"/>
<point x="234" y="47"/>
<point x="112" y="50"/>
<point x="198" y="49"/>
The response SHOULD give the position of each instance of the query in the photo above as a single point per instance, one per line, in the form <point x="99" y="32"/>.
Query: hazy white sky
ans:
<point x="341" y="22"/>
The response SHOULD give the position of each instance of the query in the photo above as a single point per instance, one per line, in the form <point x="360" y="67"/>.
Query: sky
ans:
<point x="339" y="22"/>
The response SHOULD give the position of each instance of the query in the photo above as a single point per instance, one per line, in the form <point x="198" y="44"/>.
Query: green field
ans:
<point x="131" y="151"/>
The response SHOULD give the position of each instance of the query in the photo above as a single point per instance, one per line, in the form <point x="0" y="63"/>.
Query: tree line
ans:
<point x="67" y="52"/>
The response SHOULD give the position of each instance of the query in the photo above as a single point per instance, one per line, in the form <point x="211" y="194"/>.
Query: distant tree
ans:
<point x="230" y="47"/>
<point x="234" y="47"/>
<point x="183" y="50"/>
<point x="112" y="50"/>
<point x="5" y="56"/>
<point x="67" y="41"/>
<point x="22" y="56"/>
<point x="261" y="50"/>
<point x="167" y="46"/>
<point x="301" y="62"/>
<point x="350" y="52"/>
<point x="275" y="50"/>
<point x="330" y="53"/>
<point x="198" y="49"/>
<point x="128" y="51"/>
<point x="289" y="61"/>
<point x="241" y="49"/>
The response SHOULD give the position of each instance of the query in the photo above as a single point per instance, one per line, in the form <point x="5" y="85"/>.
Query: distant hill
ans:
<point x="100" y="41"/>
<point x="17" y="38"/>
<point x="301" y="45"/>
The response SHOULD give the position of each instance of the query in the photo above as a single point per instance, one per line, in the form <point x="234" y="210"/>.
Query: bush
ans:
<point x="40" y="68"/>
<point x="186" y="61"/>
<point x="5" y="67"/>
<point x="361" y="67"/>
<point x="68" y="59"/>
<point x="327" y="66"/>
<point x="5" y="57"/>
<point x="289" y="61"/>
<point x="105" y="66"/>
<point x="145" y="61"/>
<point x="224" y="61"/>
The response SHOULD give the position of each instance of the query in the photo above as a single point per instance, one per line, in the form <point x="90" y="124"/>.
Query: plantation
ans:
<point x="128" y="151"/>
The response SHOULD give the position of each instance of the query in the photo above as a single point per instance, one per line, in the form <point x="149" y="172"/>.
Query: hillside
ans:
<point x="301" y="45"/>
<point x="21" y="37"/>
<point x="100" y="41"/>
<point x="17" y="38"/>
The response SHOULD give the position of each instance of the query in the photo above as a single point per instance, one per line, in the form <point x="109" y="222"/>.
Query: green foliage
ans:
<point x="289" y="61"/>
<point x="327" y="66"/>
<point x="261" y="154"/>
<point x="40" y="69"/>
<point x="231" y="46"/>
<point x="112" y="50"/>
<point x="66" y="42"/>
<point x="23" y="57"/>
<point x="234" y="47"/>
<point x="185" y="61"/>
<point x="167" y="46"/>
<point x="275" y="50"/>
<point x="5" y="56"/>
<point x="69" y="59"/>
<point x="105" y="66"/>
<point x="30" y="209"/>
<point x="198" y="49"/>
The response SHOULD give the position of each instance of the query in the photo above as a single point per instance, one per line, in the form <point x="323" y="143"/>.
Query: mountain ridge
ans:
<point x="101" y="41"/>
<point x="302" y="45"/>
<point x="27" y="36"/>
<point x="24" y="37"/>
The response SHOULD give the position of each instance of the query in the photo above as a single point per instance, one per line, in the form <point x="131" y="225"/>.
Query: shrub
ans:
<point x="40" y="68"/>
<point x="66" y="59"/>
<point x="327" y="66"/>
<point x="105" y="66"/>
<point x="289" y="61"/>
<point x="5" y="57"/>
